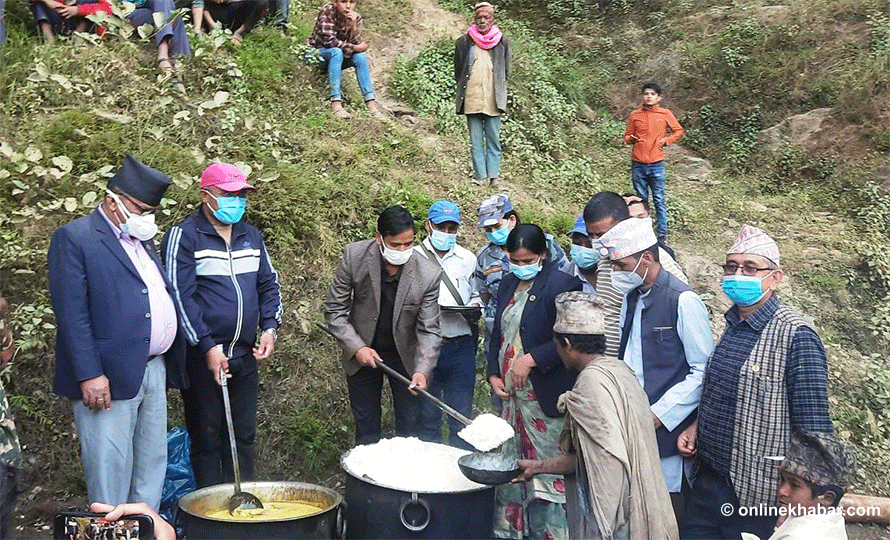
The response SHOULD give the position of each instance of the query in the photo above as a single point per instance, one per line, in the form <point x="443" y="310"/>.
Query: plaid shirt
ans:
<point x="330" y="33"/>
<point x="772" y="348"/>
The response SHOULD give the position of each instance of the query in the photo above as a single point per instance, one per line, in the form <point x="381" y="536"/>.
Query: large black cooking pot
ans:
<point x="326" y="524"/>
<point x="374" y="510"/>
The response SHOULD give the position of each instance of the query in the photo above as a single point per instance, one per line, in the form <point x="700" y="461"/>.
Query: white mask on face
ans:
<point x="395" y="257"/>
<point x="138" y="226"/>
<point x="626" y="281"/>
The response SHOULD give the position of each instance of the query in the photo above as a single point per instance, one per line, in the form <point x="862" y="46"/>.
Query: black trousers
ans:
<point x="713" y="511"/>
<point x="365" y="391"/>
<point x="233" y="15"/>
<point x="206" y="421"/>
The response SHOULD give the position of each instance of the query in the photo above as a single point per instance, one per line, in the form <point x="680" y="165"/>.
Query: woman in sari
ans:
<point x="526" y="373"/>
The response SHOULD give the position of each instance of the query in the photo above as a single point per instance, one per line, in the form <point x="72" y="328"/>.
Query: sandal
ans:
<point x="341" y="113"/>
<point x="378" y="114"/>
<point x="170" y="69"/>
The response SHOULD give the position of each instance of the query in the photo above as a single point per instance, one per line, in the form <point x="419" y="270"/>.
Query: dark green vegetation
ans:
<point x="69" y="115"/>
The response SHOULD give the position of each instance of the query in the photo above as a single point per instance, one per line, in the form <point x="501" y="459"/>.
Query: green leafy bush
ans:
<point x="310" y="437"/>
<point x="860" y="403"/>
<point x="794" y="167"/>
<point x="730" y="136"/>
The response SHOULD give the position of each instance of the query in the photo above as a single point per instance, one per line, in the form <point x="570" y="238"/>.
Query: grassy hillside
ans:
<point x="730" y="71"/>
<point x="70" y="114"/>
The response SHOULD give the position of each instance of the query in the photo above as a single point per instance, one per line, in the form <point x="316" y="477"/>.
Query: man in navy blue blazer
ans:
<point x="117" y="341"/>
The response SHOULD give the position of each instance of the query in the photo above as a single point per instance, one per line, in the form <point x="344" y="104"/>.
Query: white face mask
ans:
<point x="394" y="256"/>
<point x="626" y="281"/>
<point x="140" y="227"/>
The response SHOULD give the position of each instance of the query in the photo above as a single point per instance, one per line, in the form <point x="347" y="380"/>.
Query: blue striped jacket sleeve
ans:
<point x="269" y="292"/>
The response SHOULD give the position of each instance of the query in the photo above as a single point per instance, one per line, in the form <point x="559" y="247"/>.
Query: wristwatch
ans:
<point x="273" y="331"/>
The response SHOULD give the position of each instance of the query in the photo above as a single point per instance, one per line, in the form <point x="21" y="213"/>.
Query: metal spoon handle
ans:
<point x="225" y="392"/>
<point x="407" y="382"/>
<point x="436" y="401"/>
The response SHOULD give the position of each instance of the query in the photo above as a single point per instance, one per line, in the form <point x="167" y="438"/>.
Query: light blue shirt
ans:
<point x="680" y="400"/>
<point x="586" y="286"/>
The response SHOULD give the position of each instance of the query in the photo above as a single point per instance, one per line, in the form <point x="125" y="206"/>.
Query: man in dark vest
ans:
<point x="665" y="339"/>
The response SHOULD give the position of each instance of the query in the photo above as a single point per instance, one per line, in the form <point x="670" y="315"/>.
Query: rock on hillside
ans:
<point x="818" y="131"/>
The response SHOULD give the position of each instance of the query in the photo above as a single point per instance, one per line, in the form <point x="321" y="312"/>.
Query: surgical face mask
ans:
<point x="744" y="290"/>
<point x="442" y="241"/>
<point x="140" y="226"/>
<point x="584" y="257"/>
<point x="229" y="210"/>
<point x="395" y="257"/>
<point x="626" y="281"/>
<point x="498" y="237"/>
<point x="526" y="272"/>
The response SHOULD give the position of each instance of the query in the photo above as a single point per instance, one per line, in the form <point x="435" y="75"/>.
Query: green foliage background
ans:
<point x="69" y="115"/>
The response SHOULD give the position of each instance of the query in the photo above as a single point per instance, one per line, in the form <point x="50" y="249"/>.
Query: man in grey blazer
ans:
<point x="383" y="304"/>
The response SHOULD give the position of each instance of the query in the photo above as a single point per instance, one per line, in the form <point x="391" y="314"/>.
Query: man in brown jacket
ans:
<point x="383" y="305"/>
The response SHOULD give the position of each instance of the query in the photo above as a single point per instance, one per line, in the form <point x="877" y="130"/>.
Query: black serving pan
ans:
<point x="489" y="469"/>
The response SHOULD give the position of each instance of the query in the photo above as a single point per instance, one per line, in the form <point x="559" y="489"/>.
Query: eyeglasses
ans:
<point x="732" y="268"/>
<point x="140" y="210"/>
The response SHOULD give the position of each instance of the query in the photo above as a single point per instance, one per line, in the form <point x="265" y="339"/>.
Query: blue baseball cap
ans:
<point x="579" y="227"/>
<point x="442" y="211"/>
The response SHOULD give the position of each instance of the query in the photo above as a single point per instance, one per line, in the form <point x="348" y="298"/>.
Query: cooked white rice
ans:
<point x="487" y="432"/>
<point x="409" y="464"/>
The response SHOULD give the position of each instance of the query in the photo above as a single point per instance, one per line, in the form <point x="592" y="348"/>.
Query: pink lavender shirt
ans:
<point x="163" y="314"/>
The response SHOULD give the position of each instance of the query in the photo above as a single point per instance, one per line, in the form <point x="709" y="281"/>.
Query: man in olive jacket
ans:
<point x="482" y="59"/>
<point x="383" y="305"/>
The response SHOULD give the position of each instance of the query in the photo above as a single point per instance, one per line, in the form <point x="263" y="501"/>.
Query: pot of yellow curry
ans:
<point x="291" y="510"/>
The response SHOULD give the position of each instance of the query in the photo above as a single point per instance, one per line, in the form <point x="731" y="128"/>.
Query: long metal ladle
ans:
<point x="404" y="380"/>
<point x="241" y="500"/>
<point x="436" y="401"/>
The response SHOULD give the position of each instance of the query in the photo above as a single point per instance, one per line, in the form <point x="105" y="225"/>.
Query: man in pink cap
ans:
<point x="225" y="290"/>
<point x="766" y="379"/>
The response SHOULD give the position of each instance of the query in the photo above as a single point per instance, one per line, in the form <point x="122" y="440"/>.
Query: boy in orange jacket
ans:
<point x="647" y="132"/>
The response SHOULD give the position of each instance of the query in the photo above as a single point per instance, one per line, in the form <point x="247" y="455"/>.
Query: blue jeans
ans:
<point x="2" y="22"/>
<point x="336" y="63"/>
<point x="455" y="378"/>
<point x="60" y="24"/>
<point x="652" y="176"/>
<point x="123" y="449"/>
<point x="281" y="9"/>
<point x="175" y="31"/>
<point x="485" y="145"/>
<point x="706" y="517"/>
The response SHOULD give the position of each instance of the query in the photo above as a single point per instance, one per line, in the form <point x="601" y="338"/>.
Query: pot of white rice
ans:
<point x="407" y="488"/>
